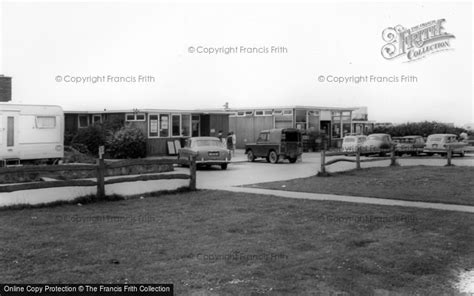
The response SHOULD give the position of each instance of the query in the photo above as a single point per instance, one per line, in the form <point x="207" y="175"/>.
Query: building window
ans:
<point x="175" y="125"/>
<point x="186" y="125"/>
<point x="263" y="113"/>
<point x="153" y="126"/>
<point x="96" y="118"/>
<point x="233" y="114"/>
<point x="135" y="117"/>
<point x="45" y="122"/>
<point x="278" y="112"/>
<point x="83" y="121"/>
<point x="313" y="113"/>
<point x="164" y="125"/>
<point x="248" y="113"/>
<point x="287" y="112"/>
<point x="241" y="113"/>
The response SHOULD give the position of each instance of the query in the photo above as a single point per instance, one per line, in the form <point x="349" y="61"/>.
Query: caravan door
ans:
<point x="9" y="135"/>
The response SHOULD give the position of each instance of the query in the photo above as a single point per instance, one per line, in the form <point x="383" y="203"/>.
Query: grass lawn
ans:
<point x="453" y="185"/>
<point x="222" y="243"/>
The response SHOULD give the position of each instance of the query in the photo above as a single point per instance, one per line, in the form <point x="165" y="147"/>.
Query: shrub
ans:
<point x="91" y="137"/>
<point x="127" y="142"/>
<point x="424" y="128"/>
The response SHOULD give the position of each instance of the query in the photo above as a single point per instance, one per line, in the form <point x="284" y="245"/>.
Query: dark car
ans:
<point x="208" y="151"/>
<point x="276" y="144"/>
<point x="377" y="144"/>
<point x="412" y="145"/>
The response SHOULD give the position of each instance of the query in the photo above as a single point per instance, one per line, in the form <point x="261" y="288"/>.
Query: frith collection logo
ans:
<point x="416" y="42"/>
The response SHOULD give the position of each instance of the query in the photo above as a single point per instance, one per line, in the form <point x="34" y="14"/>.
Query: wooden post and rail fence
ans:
<point x="393" y="158"/>
<point x="100" y="172"/>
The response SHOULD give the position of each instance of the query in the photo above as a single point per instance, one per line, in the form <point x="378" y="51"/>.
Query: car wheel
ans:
<point x="224" y="166"/>
<point x="292" y="159"/>
<point x="272" y="157"/>
<point x="250" y="156"/>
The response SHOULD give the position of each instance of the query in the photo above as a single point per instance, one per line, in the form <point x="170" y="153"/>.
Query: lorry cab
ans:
<point x="275" y="144"/>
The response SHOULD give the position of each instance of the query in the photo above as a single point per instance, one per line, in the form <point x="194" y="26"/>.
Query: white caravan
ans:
<point x="30" y="132"/>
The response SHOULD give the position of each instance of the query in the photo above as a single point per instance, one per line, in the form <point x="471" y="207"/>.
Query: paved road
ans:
<point x="243" y="173"/>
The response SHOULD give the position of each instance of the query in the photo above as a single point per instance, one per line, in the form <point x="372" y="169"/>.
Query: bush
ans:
<point x="127" y="142"/>
<point x="425" y="128"/>
<point x="91" y="137"/>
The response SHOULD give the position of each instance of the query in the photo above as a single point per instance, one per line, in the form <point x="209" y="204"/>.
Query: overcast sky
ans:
<point x="43" y="40"/>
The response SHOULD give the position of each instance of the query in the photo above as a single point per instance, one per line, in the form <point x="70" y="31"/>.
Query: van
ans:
<point x="276" y="144"/>
<point x="353" y="142"/>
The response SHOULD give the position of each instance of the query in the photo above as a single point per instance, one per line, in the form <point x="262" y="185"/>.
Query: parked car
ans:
<point x="412" y="145"/>
<point x="208" y="151"/>
<point x="353" y="142"/>
<point x="438" y="143"/>
<point x="377" y="144"/>
<point x="276" y="144"/>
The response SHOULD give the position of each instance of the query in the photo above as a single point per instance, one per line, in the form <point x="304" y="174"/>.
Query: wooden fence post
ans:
<point x="358" y="158"/>
<point x="323" y="163"/>
<point x="449" y="155"/>
<point x="100" y="179"/>
<point x="192" y="171"/>
<point x="393" y="158"/>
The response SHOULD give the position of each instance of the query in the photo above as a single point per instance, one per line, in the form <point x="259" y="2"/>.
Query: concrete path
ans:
<point x="353" y="199"/>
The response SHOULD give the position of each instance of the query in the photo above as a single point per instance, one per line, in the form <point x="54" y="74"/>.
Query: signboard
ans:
<point x="101" y="151"/>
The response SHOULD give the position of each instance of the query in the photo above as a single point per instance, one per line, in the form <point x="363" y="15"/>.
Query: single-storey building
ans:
<point x="161" y="127"/>
<point x="333" y="122"/>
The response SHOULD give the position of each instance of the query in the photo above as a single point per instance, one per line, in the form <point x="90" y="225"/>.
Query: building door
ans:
<point x="9" y="134"/>
<point x="326" y="133"/>
<point x="205" y="125"/>
<point x="196" y="126"/>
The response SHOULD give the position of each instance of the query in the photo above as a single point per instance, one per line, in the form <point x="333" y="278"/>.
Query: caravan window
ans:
<point x="45" y="122"/>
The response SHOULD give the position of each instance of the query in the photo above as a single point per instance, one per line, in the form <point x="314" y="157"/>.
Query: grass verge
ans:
<point x="454" y="185"/>
<point x="221" y="243"/>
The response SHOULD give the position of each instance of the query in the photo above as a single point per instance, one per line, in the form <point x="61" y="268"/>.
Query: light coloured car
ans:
<point x="438" y="143"/>
<point x="208" y="151"/>
<point x="351" y="143"/>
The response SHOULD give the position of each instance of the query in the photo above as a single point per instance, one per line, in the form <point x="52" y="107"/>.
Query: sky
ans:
<point x="126" y="55"/>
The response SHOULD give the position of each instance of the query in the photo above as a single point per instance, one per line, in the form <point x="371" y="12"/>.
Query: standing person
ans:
<point x="219" y="135"/>
<point x="234" y="142"/>
<point x="229" y="141"/>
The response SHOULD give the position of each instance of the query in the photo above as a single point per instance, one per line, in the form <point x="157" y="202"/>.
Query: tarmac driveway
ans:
<point x="242" y="172"/>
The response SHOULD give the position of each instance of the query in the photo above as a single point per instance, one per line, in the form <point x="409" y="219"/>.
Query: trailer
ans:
<point x="30" y="132"/>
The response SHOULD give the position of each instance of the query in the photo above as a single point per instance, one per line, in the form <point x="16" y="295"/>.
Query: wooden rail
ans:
<point x="393" y="158"/>
<point x="100" y="169"/>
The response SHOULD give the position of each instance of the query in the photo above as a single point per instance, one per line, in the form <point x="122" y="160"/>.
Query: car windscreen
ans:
<point x="206" y="143"/>
<point x="407" y="140"/>
<point x="349" y="140"/>
<point x="373" y="137"/>
<point x="435" y="139"/>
